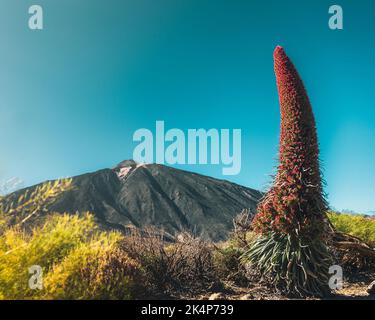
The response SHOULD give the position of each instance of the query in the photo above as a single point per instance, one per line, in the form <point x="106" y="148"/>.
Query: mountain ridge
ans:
<point x="141" y="195"/>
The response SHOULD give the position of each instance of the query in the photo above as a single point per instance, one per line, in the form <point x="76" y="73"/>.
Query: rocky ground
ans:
<point x="358" y="287"/>
<point x="353" y="291"/>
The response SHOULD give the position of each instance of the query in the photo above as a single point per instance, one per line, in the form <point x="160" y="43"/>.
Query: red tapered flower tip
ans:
<point x="279" y="53"/>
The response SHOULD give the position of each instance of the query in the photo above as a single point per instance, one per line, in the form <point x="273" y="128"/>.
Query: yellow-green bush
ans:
<point x="78" y="261"/>
<point x="355" y="225"/>
<point x="97" y="270"/>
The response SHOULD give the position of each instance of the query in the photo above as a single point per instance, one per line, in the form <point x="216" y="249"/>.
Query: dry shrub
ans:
<point x="353" y="241"/>
<point x="242" y="228"/>
<point x="228" y="255"/>
<point x="31" y="206"/>
<point x="352" y="261"/>
<point x="228" y="265"/>
<point x="183" y="267"/>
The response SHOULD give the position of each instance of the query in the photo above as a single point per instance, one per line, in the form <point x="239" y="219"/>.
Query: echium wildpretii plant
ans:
<point x="291" y="218"/>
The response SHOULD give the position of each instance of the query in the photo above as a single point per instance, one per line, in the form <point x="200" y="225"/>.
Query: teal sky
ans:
<point x="72" y="95"/>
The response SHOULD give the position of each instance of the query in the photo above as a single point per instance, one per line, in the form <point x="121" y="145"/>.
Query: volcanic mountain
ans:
<point x="134" y="195"/>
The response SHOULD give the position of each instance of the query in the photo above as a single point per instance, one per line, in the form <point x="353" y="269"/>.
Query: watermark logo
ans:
<point x="36" y="18"/>
<point x="196" y="146"/>
<point x="336" y="281"/>
<point x="336" y="21"/>
<point x="36" y="280"/>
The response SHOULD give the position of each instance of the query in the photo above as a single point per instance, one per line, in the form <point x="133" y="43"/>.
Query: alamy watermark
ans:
<point x="196" y="146"/>
<point x="36" y="17"/>
<point x="336" y="21"/>
<point x="36" y="279"/>
<point x="336" y="281"/>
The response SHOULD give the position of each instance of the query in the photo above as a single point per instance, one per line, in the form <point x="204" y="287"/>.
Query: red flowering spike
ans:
<point x="296" y="202"/>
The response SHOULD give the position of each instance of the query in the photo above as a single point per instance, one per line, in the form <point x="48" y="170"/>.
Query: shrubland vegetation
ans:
<point x="81" y="261"/>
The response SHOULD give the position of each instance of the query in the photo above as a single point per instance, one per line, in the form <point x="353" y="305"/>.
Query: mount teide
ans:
<point x="167" y="198"/>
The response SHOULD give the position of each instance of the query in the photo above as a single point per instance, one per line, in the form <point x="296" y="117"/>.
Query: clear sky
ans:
<point x="72" y="95"/>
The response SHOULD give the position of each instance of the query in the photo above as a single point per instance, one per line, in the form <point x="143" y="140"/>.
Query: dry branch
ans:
<point x="345" y="241"/>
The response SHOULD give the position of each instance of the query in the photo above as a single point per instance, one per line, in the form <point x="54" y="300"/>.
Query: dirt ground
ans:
<point x="350" y="292"/>
<point x="355" y="288"/>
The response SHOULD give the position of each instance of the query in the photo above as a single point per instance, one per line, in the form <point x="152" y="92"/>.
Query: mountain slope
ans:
<point x="171" y="199"/>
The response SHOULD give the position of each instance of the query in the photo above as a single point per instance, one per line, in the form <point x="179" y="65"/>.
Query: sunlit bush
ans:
<point x="95" y="270"/>
<point x="78" y="261"/>
<point x="355" y="225"/>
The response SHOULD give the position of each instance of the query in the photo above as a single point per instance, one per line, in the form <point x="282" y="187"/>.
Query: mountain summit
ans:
<point x="141" y="195"/>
